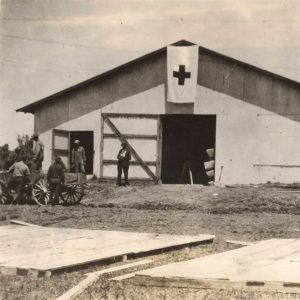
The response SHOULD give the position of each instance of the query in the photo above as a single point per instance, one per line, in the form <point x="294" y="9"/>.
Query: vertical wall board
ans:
<point x="220" y="74"/>
<point x="286" y="101"/>
<point x="229" y="78"/>
<point x="207" y="70"/>
<point x="47" y="117"/>
<point x="101" y="145"/>
<point x="252" y="79"/>
<point x="159" y="149"/>
<point x="47" y="139"/>
<point x="264" y="89"/>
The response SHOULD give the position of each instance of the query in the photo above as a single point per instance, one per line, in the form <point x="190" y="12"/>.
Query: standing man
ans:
<point x="78" y="157"/>
<point x="55" y="178"/>
<point x="20" y="176"/>
<point x="38" y="152"/>
<point x="124" y="156"/>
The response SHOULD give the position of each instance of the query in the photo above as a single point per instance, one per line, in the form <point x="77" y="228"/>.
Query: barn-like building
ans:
<point x="248" y="115"/>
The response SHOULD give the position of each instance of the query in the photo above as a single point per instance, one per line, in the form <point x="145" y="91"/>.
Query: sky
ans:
<point x="49" y="45"/>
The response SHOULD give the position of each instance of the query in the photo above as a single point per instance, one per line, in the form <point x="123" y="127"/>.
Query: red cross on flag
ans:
<point x="182" y="68"/>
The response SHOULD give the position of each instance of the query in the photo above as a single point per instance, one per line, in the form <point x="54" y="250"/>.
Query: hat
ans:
<point x="76" y="142"/>
<point x="57" y="159"/>
<point x="35" y="136"/>
<point x="123" y="144"/>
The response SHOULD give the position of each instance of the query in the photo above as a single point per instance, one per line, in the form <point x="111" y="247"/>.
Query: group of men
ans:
<point x="20" y="171"/>
<point x="55" y="175"/>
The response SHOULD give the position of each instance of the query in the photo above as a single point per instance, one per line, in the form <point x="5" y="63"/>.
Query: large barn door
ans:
<point x="61" y="146"/>
<point x="141" y="134"/>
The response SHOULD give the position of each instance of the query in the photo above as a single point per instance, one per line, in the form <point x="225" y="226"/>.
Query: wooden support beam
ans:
<point x="128" y="115"/>
<point x="131" y="136"/>
<point x="133" y="152"/>
<point x="79" y="288"/>
<point x="94" y="276"/>
<point x="133" y="163"/>
<point x="277" y="166"/>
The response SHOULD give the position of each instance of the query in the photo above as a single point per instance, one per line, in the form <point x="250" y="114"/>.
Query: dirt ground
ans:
<point x="247" y="213"/>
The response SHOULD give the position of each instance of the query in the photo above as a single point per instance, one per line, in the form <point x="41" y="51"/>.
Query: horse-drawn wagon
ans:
<point x="35" y="189"/>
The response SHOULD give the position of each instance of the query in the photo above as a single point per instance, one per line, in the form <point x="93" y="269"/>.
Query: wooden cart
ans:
<point x="36" y="190"/>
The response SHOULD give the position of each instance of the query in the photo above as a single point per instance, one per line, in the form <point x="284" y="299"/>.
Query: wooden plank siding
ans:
<point x="252" y="85"/>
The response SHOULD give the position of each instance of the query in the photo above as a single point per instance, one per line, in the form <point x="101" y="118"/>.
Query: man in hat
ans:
<point x="124" y="156"/>
<point x="20" y="176"/>
<point x="56" y="178"/>
<point x="78" y="157"/>
<point x="38" y="152"/>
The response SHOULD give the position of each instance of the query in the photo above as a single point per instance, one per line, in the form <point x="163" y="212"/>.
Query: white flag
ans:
<point x="182" y="68"/>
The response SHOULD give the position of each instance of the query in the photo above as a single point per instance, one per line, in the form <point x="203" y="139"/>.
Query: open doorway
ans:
<point x="86" y="139"/>
<point x="185" y="139"/>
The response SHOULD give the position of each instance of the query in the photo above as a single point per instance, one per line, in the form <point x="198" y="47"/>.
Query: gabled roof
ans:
<point x="31" y="107"/>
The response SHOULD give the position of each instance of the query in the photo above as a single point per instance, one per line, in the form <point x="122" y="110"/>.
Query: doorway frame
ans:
<point x="67" y="133"/>
<point x="161" y="137"/>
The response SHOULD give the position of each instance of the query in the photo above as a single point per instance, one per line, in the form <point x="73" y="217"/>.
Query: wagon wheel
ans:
<point x="40" y="192"/>
<point x="72" y="193"/>
<point x="4" y="196"/>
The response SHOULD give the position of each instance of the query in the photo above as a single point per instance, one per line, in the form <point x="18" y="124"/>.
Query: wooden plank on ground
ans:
<point x="266" y="261"/>
<point x="79" y="288"/>
<point x="94" y="276"/>
<point x="221" y="284"/>
<point x="122" y="267"/>
<point x="17" y="222"/>
<point x="51" y="249"/>
<point x="122" y="277"/>
<point x="239" y="243"/>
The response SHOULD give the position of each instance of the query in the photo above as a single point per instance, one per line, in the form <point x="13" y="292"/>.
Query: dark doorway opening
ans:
<point x="185" y="139"/>
<point x="86" y="139"/>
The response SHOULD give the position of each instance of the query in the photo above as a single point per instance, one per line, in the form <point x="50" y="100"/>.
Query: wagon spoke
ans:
<point x="40" y="192"/>
<point x="73" y="198"/>
<point x="68" y="196"/>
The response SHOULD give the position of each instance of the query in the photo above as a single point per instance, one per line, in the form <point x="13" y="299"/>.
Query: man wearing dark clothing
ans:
<point x="124" y="156"/>
<point x="56" y="178"/>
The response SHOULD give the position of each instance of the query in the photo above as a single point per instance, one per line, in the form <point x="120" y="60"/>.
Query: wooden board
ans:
<point x="94" y="276"/>
<point x="49" y="249"/>
<point x="259" y="264"/>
